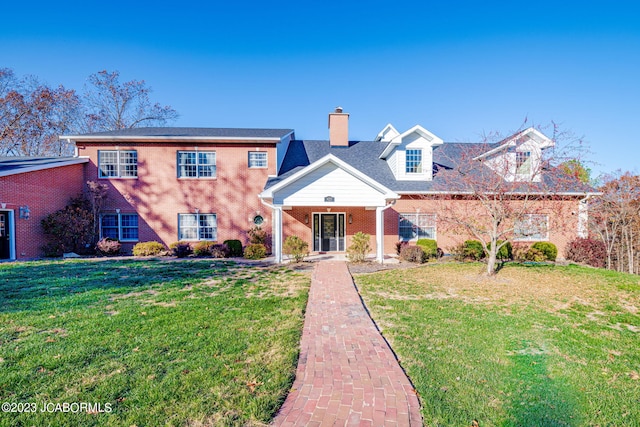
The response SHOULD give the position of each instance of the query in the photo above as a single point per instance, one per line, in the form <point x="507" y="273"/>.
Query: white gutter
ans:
<point x="160" y="138"/>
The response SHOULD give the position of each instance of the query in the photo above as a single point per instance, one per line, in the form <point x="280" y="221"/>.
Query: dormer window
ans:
<point x="523" y="162"/>
<point x="414" y="161"/>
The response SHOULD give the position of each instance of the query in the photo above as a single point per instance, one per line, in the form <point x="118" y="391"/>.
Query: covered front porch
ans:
<point x="325" y="204"/>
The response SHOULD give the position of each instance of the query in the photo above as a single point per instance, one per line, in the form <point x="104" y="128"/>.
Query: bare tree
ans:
<point x="112" y="105"/>
<point x="32" y="115"/>
<point x="616" y="220"/>
<point x="498" y="191"/>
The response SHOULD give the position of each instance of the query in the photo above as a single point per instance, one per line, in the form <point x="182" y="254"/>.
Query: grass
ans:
<point x="193" y="342"/>
<point x="534" y="346"/>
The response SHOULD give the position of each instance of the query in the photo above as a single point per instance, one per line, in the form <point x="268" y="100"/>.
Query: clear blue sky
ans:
<point x="459" y="68"/>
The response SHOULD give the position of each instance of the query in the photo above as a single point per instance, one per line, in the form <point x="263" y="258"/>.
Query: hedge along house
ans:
<point x="30" y="189"/>
<point x="390" y="188"/>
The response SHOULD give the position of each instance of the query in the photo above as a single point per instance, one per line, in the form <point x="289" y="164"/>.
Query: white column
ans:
<point x="277" y="234"/>
<point x="380" y="234"/>
<point x="583" y="218"/>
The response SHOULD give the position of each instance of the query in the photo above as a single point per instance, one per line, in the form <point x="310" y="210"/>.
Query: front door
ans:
<point x="328" y="232"/>
<point x="5" y="251"/>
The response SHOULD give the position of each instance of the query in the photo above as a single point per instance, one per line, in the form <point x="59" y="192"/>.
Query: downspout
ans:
<point x="277" y="230"/>
<point x="380" y="231"/>
<point x="583" y="217"/>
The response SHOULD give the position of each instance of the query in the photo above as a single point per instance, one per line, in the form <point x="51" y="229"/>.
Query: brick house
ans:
<point x="30" y="189"/>
<point x="170" y="184"/>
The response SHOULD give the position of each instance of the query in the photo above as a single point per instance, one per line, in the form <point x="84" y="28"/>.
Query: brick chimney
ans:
<point x="339" y="128"/>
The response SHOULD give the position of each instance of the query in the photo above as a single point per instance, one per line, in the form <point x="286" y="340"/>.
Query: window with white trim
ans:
<point x="119" y="226"/>
<point x="413" y="226"/>
<point x="257" y="159"/>
<point x="196" y="164"/>
<point x="413" y="161"/>
<point x="197" y="227"/>
<point x="117" y="163"/>
<point x="532" y="227"/>
<point x="523" y="162"/>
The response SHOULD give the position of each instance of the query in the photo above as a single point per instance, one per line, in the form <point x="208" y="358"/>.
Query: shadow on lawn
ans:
<point x="55" y="284"/>
<point x="538" y="399"/>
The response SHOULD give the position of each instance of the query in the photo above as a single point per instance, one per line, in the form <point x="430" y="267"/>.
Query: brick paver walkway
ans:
<point x="347" y="374"/>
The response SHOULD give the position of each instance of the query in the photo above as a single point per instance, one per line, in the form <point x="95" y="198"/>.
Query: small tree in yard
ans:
<point x="495" y="192"/>
<point x="70" y="229"/>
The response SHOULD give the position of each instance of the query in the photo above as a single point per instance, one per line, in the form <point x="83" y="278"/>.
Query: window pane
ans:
<point x="532" y="227"/>
<point x="108" y="163"/>
<point x="128" y="164"/>
<point x="257" y="159"/>
<point x="416" y="226"/>
<point x="414" y="161"/>
<point x="196" y="164"/>
<point x="109" y="226"/>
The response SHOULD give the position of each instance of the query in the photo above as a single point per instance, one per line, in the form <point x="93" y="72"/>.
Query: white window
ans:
<point x="122" y="227"/>
<point x="523" y="162"/>
<point x="196" y="164"/>
<point x="118" y="164"/>
<point x="413" y="161"/>
<point x="412" y="226"/>
<point x="197" y="227"/>
<point x="532" y="227"/>
<point x="257" y="159"/>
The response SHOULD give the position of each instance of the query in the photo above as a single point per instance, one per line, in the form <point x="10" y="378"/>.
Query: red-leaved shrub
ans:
<point x="588" y="251"/>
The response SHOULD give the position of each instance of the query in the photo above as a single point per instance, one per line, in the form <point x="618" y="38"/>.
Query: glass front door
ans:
<point x="328" y="232"/>
<point x="4" y="236"/>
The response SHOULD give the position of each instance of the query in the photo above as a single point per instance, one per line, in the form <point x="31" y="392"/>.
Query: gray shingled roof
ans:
<point x="11" y="165"/>
<point x="365" y="157"/>
<point x="175" y="132"/>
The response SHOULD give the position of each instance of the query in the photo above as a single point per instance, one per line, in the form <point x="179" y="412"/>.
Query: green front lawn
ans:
<point x="535" y="346"/>
<point x="193" y="342"/>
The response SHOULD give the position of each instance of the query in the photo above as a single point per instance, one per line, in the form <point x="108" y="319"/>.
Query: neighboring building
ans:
<point x="30" y="189"/>
<point x="170" y="184"/>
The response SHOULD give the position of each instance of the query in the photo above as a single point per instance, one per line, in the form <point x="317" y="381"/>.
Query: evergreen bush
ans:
<point x="549" y="250"/>
<point x="148" y="249"/>
<point x="296" y="248"/>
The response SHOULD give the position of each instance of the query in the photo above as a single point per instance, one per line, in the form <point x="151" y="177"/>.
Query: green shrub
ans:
<point x="148" y="249"/>
<point x="220" y="251"/>
<point x="505" y="252"/>
<point x="359" y="248"/>
<point x="457" y="252"/>
<point x="472" y="249"/>
<point x="429" y="246"/>
<point x="549" y="250"/>
<point x="203" y="248"/>
<point x="255" y="251"/>
<point x="413" y="254"/>
<point x="181" y="249"/>
<point x="296" y="248"/>
<point x="108" y="247"/>
<point x="235" y="247"/>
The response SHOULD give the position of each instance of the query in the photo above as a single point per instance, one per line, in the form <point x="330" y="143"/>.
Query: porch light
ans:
<point x="306" y="218"/>
<point x="350" y="219"/>
<point x="24" y="212"/>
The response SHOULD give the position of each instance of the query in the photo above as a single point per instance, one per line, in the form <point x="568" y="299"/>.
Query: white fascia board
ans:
<point x="121" y="138"/>
<point x="431" y="138"/>
<point x="534" y="135"/>
<point x="329" y="158"/>
<point x="388" y="128"/>
<point x="35" y="168"/>
<point x="464" y="193"/>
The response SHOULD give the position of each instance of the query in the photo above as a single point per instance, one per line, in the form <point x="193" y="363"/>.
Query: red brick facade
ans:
<point x="157" y="195"/>
<point x="43" y="191"/>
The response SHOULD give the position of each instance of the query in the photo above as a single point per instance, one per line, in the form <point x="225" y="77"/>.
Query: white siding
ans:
<point x="329" y="180"/>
